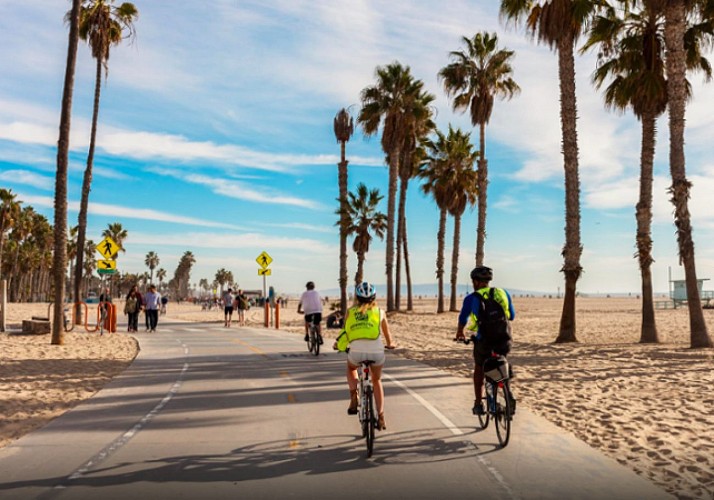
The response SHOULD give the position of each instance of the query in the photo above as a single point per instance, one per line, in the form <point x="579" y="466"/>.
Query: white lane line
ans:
<point x="126" y="437"/>
<point x="455" y="431"/>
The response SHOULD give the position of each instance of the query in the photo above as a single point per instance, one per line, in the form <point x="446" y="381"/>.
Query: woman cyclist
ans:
<point x="365" y="324"/>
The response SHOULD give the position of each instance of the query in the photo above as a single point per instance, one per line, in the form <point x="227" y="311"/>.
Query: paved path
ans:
<point x="206" y="412"/>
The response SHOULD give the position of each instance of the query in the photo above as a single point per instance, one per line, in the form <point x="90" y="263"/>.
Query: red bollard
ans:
<point x="277" y="315"/>
<point x="267" y="314"/>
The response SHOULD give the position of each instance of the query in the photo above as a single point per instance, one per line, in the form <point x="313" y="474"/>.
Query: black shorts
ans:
<point x="482" y="351"/>
<point x="314" y="318"/>
<point x="228" y="310"/>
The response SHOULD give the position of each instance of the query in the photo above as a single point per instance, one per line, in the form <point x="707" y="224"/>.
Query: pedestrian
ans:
<point x="227" y="307"/>
<point x="242" y="306"/>
<point x="152" y="303"/>
<point x="164" y="301"/>
<point x="132" y="306"/>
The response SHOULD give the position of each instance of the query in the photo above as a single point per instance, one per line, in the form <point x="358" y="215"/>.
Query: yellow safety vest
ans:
<point x="359" y="325"/>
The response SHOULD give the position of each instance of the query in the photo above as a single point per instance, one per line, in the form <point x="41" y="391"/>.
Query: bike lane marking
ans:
<point x="128" y="435"/>
<point x="455" y="430"/>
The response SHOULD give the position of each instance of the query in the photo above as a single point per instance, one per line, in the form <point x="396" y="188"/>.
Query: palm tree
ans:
<point x="160" y="275"/>
<point x="559" y="23"/>
<point x="433" y="173"/>
<point x="101" y="25"/>
<point x="362" y="219"/>
<point x="9" y="211"/>
<point x="474" y="77"/>
<point x="59" y="263"/>
<point x="462" y="181"/>
<point x="222" y="278"/>
<point x="632" y="57"/>
<point x="151" y="261"/>
<point x="675" y="27"/>
<point x="344" y="128"/>
<point x="418" y="128"/>
<point x="390" y="102"/>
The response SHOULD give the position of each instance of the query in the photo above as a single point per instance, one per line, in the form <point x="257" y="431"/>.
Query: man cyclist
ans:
<point x="311" y="306"/>
<point x="480" y="277"/>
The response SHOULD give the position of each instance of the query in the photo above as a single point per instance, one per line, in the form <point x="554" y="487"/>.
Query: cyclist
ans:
<point x="311" y="306"/>
<point x="480" y="277"/>
<point x="363" y="325"/>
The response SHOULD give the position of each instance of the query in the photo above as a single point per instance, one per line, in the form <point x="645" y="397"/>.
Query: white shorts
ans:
<point x="356" y="357"/>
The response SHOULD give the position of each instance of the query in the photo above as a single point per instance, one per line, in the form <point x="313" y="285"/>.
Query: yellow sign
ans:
<point x="106" y="264"/>
<point x="108" y="248"/>
<point x="264" y="260"/>
<point x="264" y="272"/>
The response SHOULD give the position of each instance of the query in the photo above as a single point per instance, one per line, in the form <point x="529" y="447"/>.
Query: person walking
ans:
<point x="241" y="306"/>
<point x="227" y="307"/>
<point x="152" y="304"/>
<point x="132" y="306"/>
<point x="471" y="311"/>
<point x="365" y="325"/>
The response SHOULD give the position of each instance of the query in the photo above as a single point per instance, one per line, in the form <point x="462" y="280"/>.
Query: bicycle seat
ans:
<point x="367" y="362"/>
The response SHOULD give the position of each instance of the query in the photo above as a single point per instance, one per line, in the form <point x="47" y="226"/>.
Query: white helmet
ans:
<point x="365" y="292"/>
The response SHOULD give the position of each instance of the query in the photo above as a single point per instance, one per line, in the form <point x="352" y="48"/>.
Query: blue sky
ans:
<point x="215" y="136"/>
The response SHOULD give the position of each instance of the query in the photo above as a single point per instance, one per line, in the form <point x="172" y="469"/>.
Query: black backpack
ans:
<point x="493" y="324"/>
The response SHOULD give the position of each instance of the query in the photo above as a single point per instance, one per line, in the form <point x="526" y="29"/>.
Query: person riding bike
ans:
<point x="311" y="305"/>
<point x="365" y="324"/>
<point x="480" y="277"/>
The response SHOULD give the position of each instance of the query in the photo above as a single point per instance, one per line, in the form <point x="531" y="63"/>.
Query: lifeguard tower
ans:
<point x="678" y="293"/>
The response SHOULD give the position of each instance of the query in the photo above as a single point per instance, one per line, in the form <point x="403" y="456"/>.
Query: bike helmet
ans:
<point x="482" y="273"/>
<point x="310" y="285"/>
<point x="365" y="292"/>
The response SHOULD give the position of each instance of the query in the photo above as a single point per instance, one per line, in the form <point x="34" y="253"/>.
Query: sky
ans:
<point x="216" y="137"/>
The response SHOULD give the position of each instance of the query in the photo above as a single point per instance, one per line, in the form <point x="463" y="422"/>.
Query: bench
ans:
<point x="36" y="326"/>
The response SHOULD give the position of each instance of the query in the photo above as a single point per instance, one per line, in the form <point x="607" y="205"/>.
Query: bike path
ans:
<point x="204" y="412"/>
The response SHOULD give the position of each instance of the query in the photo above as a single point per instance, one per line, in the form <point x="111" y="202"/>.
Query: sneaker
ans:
<point x="354" y="403"/>
<point x="478" y="409"/>
<point x="319" y="340"/>
<point x="306" y="338"/>
<point x="381" y="425"/>
<point x="513" y="405"/>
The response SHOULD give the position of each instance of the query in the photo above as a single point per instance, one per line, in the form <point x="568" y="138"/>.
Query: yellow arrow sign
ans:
<point x="264" y="260"/>
<point x="264" y="272"/>
<point x="107" y="247"/>
<point x="106" y="264"/>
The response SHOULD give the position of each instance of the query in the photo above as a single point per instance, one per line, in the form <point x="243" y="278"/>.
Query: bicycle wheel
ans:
<point x="369" y="420"/>
<point x="502" y="418"/>
<point x="310" y="340"/>
<point x="483" y="419"/>
<point x="315" y="341"/>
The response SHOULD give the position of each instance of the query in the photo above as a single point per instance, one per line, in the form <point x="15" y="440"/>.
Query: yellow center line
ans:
<point x="251" y="347"/>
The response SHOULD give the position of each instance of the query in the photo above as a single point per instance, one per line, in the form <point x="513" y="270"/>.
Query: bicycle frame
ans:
<point x="366" y="411"/>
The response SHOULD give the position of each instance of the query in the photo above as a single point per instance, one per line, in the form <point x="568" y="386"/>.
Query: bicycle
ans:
<point x="313" y="339"/>
<point x="500" y="404"/>
<point x="367" y="418"/>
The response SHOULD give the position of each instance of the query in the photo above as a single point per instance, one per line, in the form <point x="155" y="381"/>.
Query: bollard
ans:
<point x="266" y="323"/>
<point x="277" y="315"/>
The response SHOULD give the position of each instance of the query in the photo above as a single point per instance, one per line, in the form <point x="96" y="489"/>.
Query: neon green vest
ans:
<point x="499" y="296"/>
<point x="362" y="325"/>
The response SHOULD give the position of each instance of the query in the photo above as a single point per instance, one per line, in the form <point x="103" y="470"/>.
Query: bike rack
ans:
<point x="110" y="320"/>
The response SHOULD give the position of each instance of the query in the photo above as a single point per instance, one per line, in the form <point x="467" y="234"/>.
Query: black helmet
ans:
<point x="482" y="273"/>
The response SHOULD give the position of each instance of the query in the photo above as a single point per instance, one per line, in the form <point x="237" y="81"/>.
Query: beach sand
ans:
<point x="650" y="407"/>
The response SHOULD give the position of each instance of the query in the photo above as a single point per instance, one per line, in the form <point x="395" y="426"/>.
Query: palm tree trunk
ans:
<point x="342" y="182"/>
<point x="360" y="268"/>
<point x="410" y="298"/>
<point x="59" y="261"/>
<point x="573" y="248"/>
<point x="391" y="202"/>
<point x="401" y="229"/>
<point x="482" y="192"/>
<point x="455" y="262"/>
<point x="440" y="260"/>
<point x="675" y="25"/>
<point x="84" y="202"/>
<point x="648" y="332"/>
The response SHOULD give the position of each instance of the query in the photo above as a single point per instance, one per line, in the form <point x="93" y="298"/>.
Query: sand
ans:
<point x="650" y="407"/>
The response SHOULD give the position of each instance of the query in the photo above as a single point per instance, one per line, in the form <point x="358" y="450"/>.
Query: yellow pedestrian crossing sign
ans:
<point x="264" y="272"/>
<point x="264" y="260"/>
<point x="108" y="248"/>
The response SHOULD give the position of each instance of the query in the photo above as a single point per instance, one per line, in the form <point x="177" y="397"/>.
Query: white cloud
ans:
<point x="28" y="178"/>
